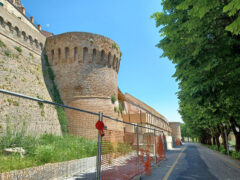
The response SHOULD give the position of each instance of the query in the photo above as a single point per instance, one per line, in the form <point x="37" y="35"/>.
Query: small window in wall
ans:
<point x="9" y="25"/>
<point x="41" y="46"/>
<point x="94" y="55"/>
<point x="118" y="65"/>
<point x="85" y="51"/>
<point x="24" y="36"/>
<point x="66" y="53"/>
<point x="102" y="56"/>
<point x="114" y="61"/>
<point x="52" y="54"/>
<point x="30" y="39"/>
<point x="59" y="54"/>
<point x="75" y="54"/>
<point x="36" y="43"/>
<point x="109" y="60"/>
<point x="16" y="31"/>
<point x="1" y="21"/>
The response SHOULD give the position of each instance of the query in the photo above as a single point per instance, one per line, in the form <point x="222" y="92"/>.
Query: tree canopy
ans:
<point x="202" y="39"/>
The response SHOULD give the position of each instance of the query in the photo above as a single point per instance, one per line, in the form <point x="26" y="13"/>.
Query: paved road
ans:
<point x="196" y="162"/>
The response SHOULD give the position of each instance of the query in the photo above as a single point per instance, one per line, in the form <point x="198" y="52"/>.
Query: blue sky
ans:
<point x="142" y="72"/>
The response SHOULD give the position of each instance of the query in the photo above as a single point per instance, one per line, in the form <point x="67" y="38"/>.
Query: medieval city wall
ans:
<point x="22" y="71"/>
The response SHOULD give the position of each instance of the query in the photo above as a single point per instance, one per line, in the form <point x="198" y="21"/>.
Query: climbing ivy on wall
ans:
<point x="56" y="97"/>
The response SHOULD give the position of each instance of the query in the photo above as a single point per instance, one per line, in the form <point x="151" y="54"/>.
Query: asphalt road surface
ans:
<point x="196" y="162"/>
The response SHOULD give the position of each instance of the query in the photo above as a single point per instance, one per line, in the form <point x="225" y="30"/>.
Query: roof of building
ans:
<point x="132" y="99"/>
<point x="121" y="96"/>
<point x="47" y="34"/>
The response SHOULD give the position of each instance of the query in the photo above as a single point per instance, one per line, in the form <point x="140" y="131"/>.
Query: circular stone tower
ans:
<point x="85" y="66"/>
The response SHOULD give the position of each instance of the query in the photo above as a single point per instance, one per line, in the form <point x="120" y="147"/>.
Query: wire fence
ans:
<point x="117" y="150"/>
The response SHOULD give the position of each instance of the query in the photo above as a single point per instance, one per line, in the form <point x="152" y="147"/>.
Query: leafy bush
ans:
<point x="114" y="46"/>
<point x="124" y="148"/>
<point x="41" y="105"/>
<point x="113" y="99"/>
<point x="2" y="44"/>
<point x="8" y="53"/>
<point x="107" y="147"/>
<point x="18" y="49"/>
<point x="235" y="155"/>
<point x="30" y="54"/>
<point x="121" y="107"/>
<point x="45" y="153"/>
<point x="223" y="151"/>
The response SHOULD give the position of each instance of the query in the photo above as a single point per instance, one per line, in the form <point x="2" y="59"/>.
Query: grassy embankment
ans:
<point x="42" y="150"/>
<point x="50" y="149"/>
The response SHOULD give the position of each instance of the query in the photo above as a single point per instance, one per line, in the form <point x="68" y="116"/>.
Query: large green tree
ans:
<point x="202" y="38"/>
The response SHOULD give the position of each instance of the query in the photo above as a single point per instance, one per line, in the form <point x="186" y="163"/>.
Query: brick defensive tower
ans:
<point x="85" y="67"/>
<point x="176" y="129"/>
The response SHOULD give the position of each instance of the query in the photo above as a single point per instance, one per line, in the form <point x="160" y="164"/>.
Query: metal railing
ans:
<point x="124" y="151"/>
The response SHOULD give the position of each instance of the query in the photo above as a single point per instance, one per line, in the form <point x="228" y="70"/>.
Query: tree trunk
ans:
<point x="217" y="141"/>
<point x="214" y="140"/>
<point x="236" y="133"/>
<point x="224" y="139"/>
<point x="210" y="140"/>
<point x="237" y="137"/>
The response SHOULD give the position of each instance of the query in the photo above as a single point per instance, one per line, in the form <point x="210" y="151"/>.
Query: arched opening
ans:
<point x="52" y="54"/>
<point x="59" y="55"/>
<point x="94" y="55"/>
<point x="118" y="64"/>
<point x="24" y="36"/>
<point x="41" y="46"/>
<point x="1" y="22"/>
<point x="102" y="56"/>
<point x="16" y="31"/>
<point x="66" y="54"/>
<point x="85" y="52"/>
<point x="75" y="54"/>
<point x="9" y="26"/>
<point x="30" y="39"/>
<point x="114" y="61"/>
<point x="109" y="60"/>
<point x="36" y="43"/>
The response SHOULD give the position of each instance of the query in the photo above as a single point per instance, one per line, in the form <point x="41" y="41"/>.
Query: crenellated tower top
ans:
<point x="84" y="64"/>
<point x="84" y="48"/>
